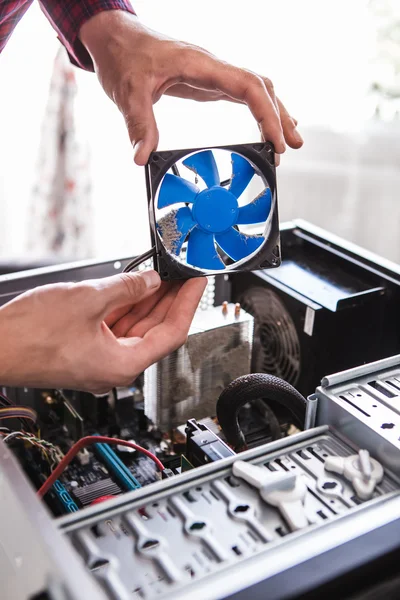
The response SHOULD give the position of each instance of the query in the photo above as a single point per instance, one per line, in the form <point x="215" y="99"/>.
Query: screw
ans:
<point x="237" y="309"/>
<point x="225" y="308"/>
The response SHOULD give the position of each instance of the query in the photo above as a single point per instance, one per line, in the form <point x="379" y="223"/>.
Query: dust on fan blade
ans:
<point x="203" y="164"/>
<point x="242" y="174"/>
<point x="237" y="245"/>
<point x="174" y="190"/>
<point x="201" y="251"/>
<point x="174" y="228"/>
<point x="256" y="211"/>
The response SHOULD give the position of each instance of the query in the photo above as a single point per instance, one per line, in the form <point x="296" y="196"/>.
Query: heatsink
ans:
<point x="186" y="384"/>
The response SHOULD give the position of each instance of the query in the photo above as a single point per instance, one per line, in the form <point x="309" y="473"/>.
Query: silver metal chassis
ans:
<point x="297" y="549"/>
<point x="366" y="415"/>
<point x="36" y="556"/>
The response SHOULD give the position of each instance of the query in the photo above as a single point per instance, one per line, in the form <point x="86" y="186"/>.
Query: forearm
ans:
<point x="67" y="18"/>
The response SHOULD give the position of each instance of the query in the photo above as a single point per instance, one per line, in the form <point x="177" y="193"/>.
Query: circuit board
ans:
<point x="100" y="471"/>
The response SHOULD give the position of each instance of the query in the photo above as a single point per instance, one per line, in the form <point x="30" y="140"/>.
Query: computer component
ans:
<point x="216" y="529"/>
<point x="196" y="197"/>
<point x="259" y="387"/>
<point x="365" y="401"/>
<point x="187" y="383"/>
<point x="329" y="306"/>
<point x="203" y="445"/>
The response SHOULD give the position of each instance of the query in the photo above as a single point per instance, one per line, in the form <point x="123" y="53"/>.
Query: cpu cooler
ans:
<point x="204" y="205"/>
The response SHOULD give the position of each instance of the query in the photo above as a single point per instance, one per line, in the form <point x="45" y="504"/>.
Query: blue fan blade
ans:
<point x="257" y="211"/>
<point x="204" y="165"/>
<point x="175" y="189"/>
<point x="242" y="174"/>
<point x="237" y="245"/>
<point x="201" y="251"/>
<point x="174" y="228"/>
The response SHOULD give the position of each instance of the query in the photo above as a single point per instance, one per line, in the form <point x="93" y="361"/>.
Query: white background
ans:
<point x="317" y="54"/>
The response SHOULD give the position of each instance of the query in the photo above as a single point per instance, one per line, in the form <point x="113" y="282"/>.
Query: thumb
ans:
<point x="142" y="127"/>
<point x="129" y="288"/>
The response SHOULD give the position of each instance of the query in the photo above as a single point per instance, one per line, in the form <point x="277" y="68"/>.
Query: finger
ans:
<point x="200" y="69"/>
<point x="277" y="160"/>
<point x="188" y="92"/>
<point x="156" y="316"/>
<point x="171" y="333"/>
<point x="292" y="136"/>
<point x="142" y="311"/>
<point x="125" y="288"/>
<point x="140" y="121"/>
<point x="116" y="319"/>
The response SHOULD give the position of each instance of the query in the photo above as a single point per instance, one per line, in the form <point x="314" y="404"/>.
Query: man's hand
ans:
<point x="94" y="335"/>
<point x="136" y="65"/>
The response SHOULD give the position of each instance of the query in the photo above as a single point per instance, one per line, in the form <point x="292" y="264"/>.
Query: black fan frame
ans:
<point x="262" y="155"/>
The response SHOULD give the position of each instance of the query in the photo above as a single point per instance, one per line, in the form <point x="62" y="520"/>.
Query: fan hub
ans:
<point x="215" y="210"/>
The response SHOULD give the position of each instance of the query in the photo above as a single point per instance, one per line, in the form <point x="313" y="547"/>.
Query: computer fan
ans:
<point x="204" y="224"/>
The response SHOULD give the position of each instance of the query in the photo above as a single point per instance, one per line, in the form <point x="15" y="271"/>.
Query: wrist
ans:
<point x="106" y="27"/>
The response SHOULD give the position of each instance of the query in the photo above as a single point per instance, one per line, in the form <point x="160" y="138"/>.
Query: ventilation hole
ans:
<point x="139" y="592"/>
<point x="374" y="406"/>
<point x="198" y="489"/>
<point x="197" y="526"/>
<point x="97" y="531"/>
<point x="171" y="512"/>
<point x="280" y="531"/>
<point x="208" y="554"/>
<point x="329" y="485"/>
<point x="98" y="564"/>
<point x="303" y="455"/>
<point x="387" y="425"/>
<point x="214" y="495"/>
<point x="149" y="544"/>
<point x="155" y="504"/>
<point x="144" y="514"/>
<point x="236" y="550"/>
<point x="379" y="388"/>
<point x="270" y="466"/>
<point x="325" y="455"/>
<point x="279" y="462"/>
<point x="322" y="514"/>
<point x="396" y="387"/>
<point x="241" y="508"/>
<point x="190" y="570"/>
<point x="356" y="500"/>
<point x="233" y="482"/>
<point x="252" y="535"/>
<point x="293" y="467"/>
<point x="354" y="406"/>
<point x="189" y="497"/>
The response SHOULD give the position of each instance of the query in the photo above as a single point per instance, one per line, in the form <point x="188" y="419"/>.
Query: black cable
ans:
<point x="131" y="266"/>
<point x="252" y="387"/>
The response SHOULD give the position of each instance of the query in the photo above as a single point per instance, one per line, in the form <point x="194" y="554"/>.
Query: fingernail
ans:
<point x="297" y="136"/>
<point x="151" y="279"/>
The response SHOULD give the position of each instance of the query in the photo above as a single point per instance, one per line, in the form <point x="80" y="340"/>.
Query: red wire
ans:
<point x="87" y="441"/>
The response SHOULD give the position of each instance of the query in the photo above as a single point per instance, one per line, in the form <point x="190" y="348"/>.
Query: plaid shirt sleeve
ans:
<point x="68" y="16"/>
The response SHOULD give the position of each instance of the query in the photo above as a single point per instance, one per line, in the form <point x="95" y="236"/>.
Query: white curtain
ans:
<point x="317" y="53"/>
